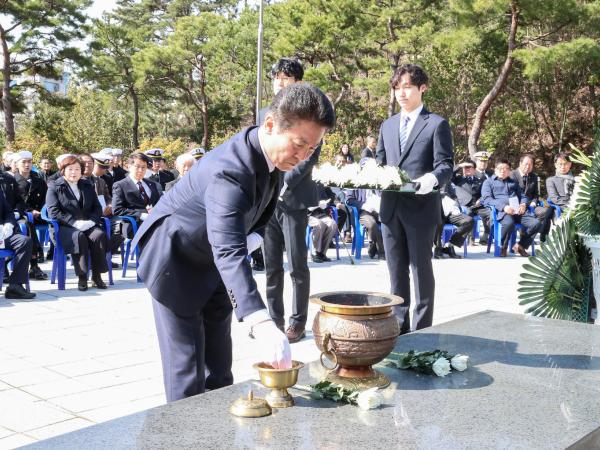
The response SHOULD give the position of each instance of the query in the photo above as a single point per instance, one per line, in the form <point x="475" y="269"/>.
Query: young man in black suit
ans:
<point x="420" y="143"/>
<point x="135" y="195"/>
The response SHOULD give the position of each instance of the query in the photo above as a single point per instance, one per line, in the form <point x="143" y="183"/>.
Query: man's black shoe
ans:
<point x="18" y="292"/>
<point x="317" y="258"/>
<point x="50" y="254"/>
<point x="97" y="282"/>
<point x="324" y="257"/>
<point x="437" y="253"/>
<point x="82" y="285"/>
<point x="483" y="240"/>
<point x="116" y="265"/>
<point x="450" y="252"/>
<point x="372" y="250"/>
<point x="35" y="273"/>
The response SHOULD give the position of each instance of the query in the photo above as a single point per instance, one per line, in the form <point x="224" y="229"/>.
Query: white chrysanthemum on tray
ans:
<point x="369" y="176"/>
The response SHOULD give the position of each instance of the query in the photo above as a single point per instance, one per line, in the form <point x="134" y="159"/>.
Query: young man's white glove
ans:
<point x="17" y="215"/>
<point x="253" y="242"/>
<point x="323" y="204"/>
<point x="7" y="230"/>
<point x="84" y="225"/>
<point x="274" y="344"/>
<point x="427" y="183"/>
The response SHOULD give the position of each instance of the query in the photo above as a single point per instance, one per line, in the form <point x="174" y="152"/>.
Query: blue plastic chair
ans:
<point x="5" y="253"/>
<point x="557" y="209"/>
<point x="43" y="234"/>
<point x="126" y="250"/>
<point x="496" y="235"/>
<point x="358" y="240"/>
<point x="59" y="262"/>
<point x="447" y="233"/>
<point x="334" y="216"/>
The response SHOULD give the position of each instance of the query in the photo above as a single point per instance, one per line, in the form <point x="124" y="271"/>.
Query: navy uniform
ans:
<point x="162" y="177"/>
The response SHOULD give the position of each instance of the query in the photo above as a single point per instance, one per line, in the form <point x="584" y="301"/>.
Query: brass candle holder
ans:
<point x="278" y="380"/>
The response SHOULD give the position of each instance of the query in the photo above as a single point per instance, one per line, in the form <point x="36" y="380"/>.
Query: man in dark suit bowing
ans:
<point x="420" y="143"/>
<point x="195" y="242"/>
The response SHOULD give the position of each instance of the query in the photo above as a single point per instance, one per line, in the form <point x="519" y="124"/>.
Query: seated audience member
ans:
<point x="56" y="175"/>
<point x="45" y="170"/>
<point x="108" y="176"/>
<point x="451" y="214"/>
<point x="158" y="165"/>
<point x="482" y="159"/>
<point x="367" y="201"/>
<point x="10" y="239"/>
<point x="114" y="168"/>
<point x="560" y="186"/>
<point x="135" y="195"/>
<point x="183" y="164"/>
<point x="345" y="152"/>
<point x="529" y="183"/>
<point x="72" y="202"/>
<point x="33" y="192"/>
<point x="369" y="150"/>
<point x="503" y="193"/>
<point x="468" y="193"/>
<point x="323" y="226"/>
<point x="101" y="163"/>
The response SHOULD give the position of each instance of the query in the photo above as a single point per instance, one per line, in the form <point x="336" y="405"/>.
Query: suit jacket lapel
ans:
<point x="416" y="130"/>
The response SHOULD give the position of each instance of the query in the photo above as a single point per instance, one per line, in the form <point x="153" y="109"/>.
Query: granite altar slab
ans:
<point x="532" y="383"/>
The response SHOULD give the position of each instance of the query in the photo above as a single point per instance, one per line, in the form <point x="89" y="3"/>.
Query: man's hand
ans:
<point x="522" y="209"/>
<point x="509" y="210"/>
<point x="107" y="211"/>
<point x="427" y="182"/>
<point x="36" y="214"/>
<point x="273" y="344"/>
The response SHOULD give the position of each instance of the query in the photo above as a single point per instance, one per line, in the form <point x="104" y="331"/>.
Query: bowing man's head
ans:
<point x="295" y="124"/>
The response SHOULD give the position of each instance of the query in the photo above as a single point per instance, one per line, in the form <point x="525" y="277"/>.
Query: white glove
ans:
<point x="7" y="230"/>
<point x="323" y="204"/>
<point x="143" y="216"/>
<point x="17" y="215"/>
<point x="273" y="343"/>
<point x="427" y="182"/>
<point x="253" y="241"/>
<point x="89" y="224"/>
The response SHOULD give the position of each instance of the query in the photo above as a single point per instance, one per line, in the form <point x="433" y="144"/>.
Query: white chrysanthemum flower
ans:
<point x="369" y="399"/>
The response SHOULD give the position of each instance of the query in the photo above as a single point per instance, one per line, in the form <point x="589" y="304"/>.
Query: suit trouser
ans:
<point x="530" y="224"/>
<point x="409" y="245"/>
<point x="287" y="229"/>
<point x="22" y="246"/>
<point x="463" y="224"/>
<point x="324" y="230"/>
<point x="485" y="213"/>
<point x="92" y="241"/>
<point x="195" y="351"/>
<point x="369" y="220"/>
<point x="544" y="215"/>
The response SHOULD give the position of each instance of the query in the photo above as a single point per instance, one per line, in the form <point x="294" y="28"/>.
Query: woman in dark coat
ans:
<point x="73" y="203"/>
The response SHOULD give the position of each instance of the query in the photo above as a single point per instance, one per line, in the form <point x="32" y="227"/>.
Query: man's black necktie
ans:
<point x="143" y="194"/>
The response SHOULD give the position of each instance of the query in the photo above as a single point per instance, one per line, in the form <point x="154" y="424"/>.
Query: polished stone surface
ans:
<point x="532" y="383"/>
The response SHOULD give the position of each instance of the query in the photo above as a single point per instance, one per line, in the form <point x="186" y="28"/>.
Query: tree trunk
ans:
<point x="136" y="118"/>
<point x="486" y="104"/>
<point x="204" y="110"/>
<point x="9" y="123"/>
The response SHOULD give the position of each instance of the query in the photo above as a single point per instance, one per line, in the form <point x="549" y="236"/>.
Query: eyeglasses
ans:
<point x="562" y="164"/>
<point x="283" y="78"/>
<point x="136" y="167"/>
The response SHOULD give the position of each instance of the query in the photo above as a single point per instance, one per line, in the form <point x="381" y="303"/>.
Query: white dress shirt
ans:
<point x="75" y="190"/>
<point x="145" y="186"/>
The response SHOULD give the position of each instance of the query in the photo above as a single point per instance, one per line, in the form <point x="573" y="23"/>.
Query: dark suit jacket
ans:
<point x="64" y="207"/>
<point x="559" y="192"/>
<point x="195" y="237"/>
<point x="367" y="153"/>
<point x="109" y="180"/>
<point x="11" y="192"/>
<point x="428" y="149"/>
<point x="118" y="173"/>
<point x="162" y="177"/>
<point x="301" y="191"/>
<point x="496" y="192"/>
<point x="529" y="185"/>
<point x="101" y="188"/>
<point x="6" y="213"/>
<point x="45" y="175"/>
<point x="127" y="200"/>
<point x="33" y="191"/>
<point x="468" y="191"/>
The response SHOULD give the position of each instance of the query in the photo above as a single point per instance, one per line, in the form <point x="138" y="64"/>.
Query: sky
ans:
<point x="100" y="6"/>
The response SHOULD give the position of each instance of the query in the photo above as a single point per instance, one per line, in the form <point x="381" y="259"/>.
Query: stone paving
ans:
<point x="70" y="359"/>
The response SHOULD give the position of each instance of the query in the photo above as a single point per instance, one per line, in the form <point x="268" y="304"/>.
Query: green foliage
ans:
<point x="556" y="281"/>
<point x="335" y="392"/>
<point x="172" y="148"/>
<point x="587" y="197"/>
